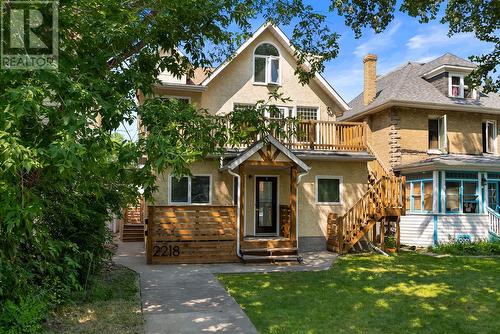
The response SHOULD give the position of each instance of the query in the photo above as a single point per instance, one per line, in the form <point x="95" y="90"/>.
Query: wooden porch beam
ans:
<point x="242" y="173"/>
<point x="293" y="202"/>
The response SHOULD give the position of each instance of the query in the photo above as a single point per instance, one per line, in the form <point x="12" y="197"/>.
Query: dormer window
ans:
<point x="266" y="64"/>
<point x="456" y="85"/>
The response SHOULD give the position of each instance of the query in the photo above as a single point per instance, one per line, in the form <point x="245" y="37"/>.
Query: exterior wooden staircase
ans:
<point x="132" y="229"/>
<point x="378" y="211"/>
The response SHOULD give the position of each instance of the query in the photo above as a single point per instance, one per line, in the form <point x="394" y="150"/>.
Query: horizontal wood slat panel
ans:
<point x="192" y="234"/>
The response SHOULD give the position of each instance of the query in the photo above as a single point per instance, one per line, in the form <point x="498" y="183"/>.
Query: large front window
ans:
<point x="190" y="190"/>
<point x="462" y="192"/>
<point x="266" y="64"/>
<point x="419" y="192"/>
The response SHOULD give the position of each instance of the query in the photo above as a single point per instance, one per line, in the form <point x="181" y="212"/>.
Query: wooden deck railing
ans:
<point x="321" y="135"/>
<point x="388" y="193"/>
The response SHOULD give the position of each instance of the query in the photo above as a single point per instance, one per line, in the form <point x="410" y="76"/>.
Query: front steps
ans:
<point x="133" y="232"/>
<point x="285" y="254"/>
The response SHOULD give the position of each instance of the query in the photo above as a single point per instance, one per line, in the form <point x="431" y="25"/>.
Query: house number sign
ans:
<point x="166" y="250"/>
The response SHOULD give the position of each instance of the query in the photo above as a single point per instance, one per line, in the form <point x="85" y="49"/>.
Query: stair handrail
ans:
<point x="494" y="219"/>
<point x="388" y="192"/>
<point x="379" y="166"/>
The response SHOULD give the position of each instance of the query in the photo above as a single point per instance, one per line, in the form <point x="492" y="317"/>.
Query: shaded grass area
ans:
<point x="111" y="305"/>
<point x="410" y="293"/>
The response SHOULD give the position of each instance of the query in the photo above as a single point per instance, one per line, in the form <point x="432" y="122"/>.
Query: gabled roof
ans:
<point x="406" y="86"/>
<point x="285" y="41"/>
<point x="251" y="150"/>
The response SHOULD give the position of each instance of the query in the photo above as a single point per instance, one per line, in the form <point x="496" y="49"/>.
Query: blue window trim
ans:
<point x="461" y="195"/>
<point x="422" y="197"/>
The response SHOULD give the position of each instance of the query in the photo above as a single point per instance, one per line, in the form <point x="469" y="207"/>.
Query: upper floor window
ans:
<point x="489" y="136"/>
<point x="456" y="85"/>
<point x="266" y="64"/>
<point x="437" y="133"/>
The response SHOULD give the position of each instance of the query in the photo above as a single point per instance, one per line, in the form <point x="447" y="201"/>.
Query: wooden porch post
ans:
<point x="382" y="233"/>
<point x="242" y="201"/>
<point x="398" y="233"/>
<point x="293" y="202"/>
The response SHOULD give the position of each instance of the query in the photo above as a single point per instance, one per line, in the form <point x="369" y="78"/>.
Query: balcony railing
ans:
<point x="321" y="135"/>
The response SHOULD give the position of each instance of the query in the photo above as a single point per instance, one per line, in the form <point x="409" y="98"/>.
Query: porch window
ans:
<point x="419" y="193"/>
<point x="328" y="189"/>
<point x="194" y="189"/>
<point x="489" y="136"/>
<point x="437" y="133"/>
<point x="462" y="192"/>
<point x="266" y="64"/>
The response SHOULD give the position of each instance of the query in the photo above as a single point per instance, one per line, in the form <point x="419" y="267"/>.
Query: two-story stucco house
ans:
<point x="280" y="193"/>
<point x="425" y="123"/>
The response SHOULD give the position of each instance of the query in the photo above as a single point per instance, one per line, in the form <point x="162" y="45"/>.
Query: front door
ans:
<point x="266" y="202"/>
<point x="494" y="195"/>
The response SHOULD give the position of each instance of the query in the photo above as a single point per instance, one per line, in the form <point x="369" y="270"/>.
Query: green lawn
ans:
<point x="410" y="293"/>
<point x="111" y="305"/>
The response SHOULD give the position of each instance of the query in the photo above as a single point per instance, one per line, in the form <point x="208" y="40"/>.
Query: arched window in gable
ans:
<point x="267" y="64"/>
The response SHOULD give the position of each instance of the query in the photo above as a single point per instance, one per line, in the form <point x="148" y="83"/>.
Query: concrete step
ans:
<point x="271" y="258"/>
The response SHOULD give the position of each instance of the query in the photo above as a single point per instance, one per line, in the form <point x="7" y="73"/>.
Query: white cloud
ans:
<point x="378" y="41"/>
<point x="436" y="36"/>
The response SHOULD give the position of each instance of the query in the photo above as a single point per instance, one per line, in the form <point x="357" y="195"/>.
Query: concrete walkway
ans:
<point x="189" y="299"/>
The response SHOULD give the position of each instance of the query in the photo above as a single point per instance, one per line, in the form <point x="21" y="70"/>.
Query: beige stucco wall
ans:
<point x="222" y="184"/>
<point x="312" y="217"/>
<point x="410" y="133"/>
<point x="235" y="85"/>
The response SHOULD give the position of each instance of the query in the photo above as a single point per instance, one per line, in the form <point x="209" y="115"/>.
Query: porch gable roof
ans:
<point x="255" y="147"/>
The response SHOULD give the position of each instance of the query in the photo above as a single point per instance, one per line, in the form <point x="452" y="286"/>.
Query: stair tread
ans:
<point x="270" y="257"/>
<point x="269" y="249"/>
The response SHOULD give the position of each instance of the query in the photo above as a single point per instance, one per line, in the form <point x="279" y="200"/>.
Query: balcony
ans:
<point x="319" y="135"/>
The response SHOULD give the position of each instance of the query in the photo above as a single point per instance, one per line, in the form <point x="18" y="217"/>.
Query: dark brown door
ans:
<point x="266" y="192"/>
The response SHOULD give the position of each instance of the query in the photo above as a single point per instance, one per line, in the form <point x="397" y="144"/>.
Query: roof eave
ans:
<point x="440" y="106"/>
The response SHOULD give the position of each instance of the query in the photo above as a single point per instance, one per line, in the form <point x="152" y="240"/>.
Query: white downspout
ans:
<point x="297" y="208"/>
<point x="238" y="252"/>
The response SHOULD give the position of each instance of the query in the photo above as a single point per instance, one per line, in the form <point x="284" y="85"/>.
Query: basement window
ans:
<point x="194" y="189"/>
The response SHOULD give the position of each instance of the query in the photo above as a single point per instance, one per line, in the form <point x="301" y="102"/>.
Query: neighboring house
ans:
<point x="426" y="124"/>
<point x="284" y="192"/>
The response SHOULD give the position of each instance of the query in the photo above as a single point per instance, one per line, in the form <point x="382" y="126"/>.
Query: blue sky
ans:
<point x="405" y="39"/>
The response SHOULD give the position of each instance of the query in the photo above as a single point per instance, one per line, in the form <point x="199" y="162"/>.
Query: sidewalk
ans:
<point x="189" y="299"/>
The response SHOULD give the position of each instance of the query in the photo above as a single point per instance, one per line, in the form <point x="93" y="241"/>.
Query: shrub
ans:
<point x="481" y="247"/>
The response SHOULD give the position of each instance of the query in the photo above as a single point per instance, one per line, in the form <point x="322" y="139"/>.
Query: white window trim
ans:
<point x="341" y="189"/>
<point x="175" y="97"/>
<point x="495" y="136"/>
<point x="170" y="176"/>
<point x="444" y="149"/>
<point x="267" y="81"/>
<point x="462" y="85"/>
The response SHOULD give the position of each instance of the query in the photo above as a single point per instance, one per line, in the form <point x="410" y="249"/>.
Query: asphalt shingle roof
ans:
<point x="406" y="85"/>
